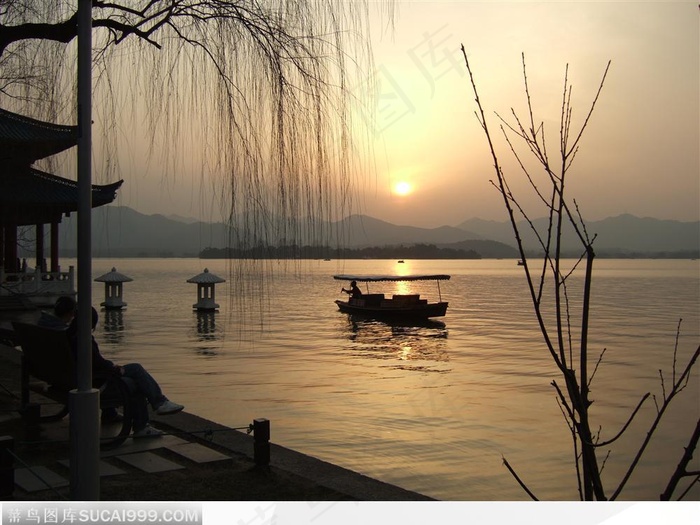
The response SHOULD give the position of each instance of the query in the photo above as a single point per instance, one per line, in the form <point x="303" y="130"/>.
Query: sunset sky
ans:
<point x="641" y="152"/>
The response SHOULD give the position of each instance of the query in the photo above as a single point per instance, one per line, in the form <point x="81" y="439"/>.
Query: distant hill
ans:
<point x="361" y="231"/>
<point x="494" y="249"/>
<point x="120" y="231"/>
<point x="621" y="236"/>
<point x="180" y="218"/>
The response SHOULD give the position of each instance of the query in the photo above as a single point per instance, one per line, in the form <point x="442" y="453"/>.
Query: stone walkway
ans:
<point x="144" y="455"/>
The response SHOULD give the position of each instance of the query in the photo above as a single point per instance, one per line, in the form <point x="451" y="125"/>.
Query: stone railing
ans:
<point x="41" y="288"/>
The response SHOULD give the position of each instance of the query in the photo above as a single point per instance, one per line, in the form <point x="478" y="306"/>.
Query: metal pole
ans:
<point x="85" y="400"/>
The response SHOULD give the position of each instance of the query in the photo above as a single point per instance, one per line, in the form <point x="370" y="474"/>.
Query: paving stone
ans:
<point x="106" y="469"/>
<point x="131" y="446"/>
<point x="198" y="453"/>
<point x="149" y="462"/>
<point x="28" y="481"/>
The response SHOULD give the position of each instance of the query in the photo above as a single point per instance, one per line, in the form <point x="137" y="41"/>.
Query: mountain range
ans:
<point x="119" y="231"/>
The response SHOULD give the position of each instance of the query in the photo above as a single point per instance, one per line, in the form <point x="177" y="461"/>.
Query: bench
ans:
<point x="405" y="300"/>
<point x="48" y="368"/>
<point x="373" y="299"/>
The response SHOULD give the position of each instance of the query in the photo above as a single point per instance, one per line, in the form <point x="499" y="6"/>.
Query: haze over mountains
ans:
<point x="120" y="231"/>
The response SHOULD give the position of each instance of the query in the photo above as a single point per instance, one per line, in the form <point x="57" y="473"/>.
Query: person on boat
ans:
<point x="138" y="379"/>
<point x="61" y="316"/>
<point x="354" y="291"/>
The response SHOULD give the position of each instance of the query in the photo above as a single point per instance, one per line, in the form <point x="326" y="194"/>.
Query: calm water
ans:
<point x="435" y="408"/>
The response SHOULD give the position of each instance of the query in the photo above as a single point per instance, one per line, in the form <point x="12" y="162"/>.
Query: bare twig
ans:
<point x="520" y="482"/>
<point x="624" y="427"/>
<point x="605" y="460"/>
<point x="600" y="358"/>
<point x="690" y="486"/>
<point x="675" y="349"/>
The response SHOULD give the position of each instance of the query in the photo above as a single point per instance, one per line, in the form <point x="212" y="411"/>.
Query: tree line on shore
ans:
<point x="416" y="251"/>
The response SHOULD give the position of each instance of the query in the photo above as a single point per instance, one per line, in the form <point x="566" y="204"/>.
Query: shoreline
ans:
<point x="291" y="475"/>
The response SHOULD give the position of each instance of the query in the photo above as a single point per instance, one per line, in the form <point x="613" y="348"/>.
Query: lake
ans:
<point x="434" y="408"/>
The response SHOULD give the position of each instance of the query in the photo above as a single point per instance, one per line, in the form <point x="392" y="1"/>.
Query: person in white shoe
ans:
<point x="142" y="384"/>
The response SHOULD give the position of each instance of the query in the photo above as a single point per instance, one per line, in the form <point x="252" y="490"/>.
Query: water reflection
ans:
<point x="113" y="323"/>
<point x="418" y="345"/>
<point x="206" y="333"/>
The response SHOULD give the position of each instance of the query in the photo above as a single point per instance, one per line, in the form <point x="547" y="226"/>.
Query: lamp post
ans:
<point x="84" y="400"/>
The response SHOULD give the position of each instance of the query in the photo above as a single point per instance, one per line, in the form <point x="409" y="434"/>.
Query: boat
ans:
<point x="521" y="262"/>
<point x="398" y="306"/>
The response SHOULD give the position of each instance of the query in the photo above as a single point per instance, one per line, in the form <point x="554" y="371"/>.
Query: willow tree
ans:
<point x="562" y="309"/>
<point x="259" y="93"/>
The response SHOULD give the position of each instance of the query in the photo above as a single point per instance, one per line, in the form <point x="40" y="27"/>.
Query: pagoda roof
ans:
<point x="113" y="277"/>
<point x="30" y="196"/>
<point x="206" y="278"/>
<point x="24" y="140"/>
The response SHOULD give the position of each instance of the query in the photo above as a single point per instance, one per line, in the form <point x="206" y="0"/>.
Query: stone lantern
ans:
<point x="113" y="289"/>
<point x="205" y="290"/>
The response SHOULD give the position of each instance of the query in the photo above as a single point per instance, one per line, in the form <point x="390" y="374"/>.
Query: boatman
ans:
<point x="354" y="291"/>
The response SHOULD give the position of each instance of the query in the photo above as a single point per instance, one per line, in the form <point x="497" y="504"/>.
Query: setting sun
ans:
<point x="402" y="188"/>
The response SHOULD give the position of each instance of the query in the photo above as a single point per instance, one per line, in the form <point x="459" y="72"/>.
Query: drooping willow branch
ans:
<point x="255" y="100"/>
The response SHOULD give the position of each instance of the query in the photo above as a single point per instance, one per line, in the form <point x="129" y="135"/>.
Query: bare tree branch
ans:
<point x="520" y="482"/>
<point x="676" y="388"/>
<point x="574" y="400"/>
<point x="681" y="469"/>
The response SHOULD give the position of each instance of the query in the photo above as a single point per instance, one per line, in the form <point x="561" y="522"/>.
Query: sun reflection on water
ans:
<point x="422" y="345"/>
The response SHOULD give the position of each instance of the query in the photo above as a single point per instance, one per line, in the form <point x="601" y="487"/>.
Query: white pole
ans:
<point x="84" y="401"/>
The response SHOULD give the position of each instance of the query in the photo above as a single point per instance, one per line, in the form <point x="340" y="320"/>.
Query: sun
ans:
<point x="402" y="188"/>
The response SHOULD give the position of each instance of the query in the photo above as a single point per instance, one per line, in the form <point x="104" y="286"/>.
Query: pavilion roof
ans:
<point x="30" y="196"/>
<point x="24" y="140"/>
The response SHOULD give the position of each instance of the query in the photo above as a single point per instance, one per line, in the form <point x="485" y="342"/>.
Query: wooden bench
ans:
<point x="48" y="368"/>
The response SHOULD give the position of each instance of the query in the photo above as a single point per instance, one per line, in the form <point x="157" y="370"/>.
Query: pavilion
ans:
<point x="30" y="197"/>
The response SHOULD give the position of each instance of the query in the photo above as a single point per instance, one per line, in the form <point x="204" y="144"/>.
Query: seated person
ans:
<point x="60" y="319"/>
<point x="61" y="316"/>
<point x="137" y="377"/>
<point x="354" y="291"/>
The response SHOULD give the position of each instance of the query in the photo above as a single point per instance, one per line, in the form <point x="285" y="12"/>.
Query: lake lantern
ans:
<point x="113" y="289"/>
<point x="205" y="290"/>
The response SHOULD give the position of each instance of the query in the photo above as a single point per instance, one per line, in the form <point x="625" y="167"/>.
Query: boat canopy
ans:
<point x="379" y="278"/>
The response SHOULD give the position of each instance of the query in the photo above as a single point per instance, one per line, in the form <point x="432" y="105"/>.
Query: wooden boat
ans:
<point x="403" y="306"/>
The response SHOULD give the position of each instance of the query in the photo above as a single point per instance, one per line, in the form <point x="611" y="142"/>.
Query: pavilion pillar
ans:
<point x="10" y="248"/>
<point x="40" y="247"/>
<point x="54" y="248"/>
